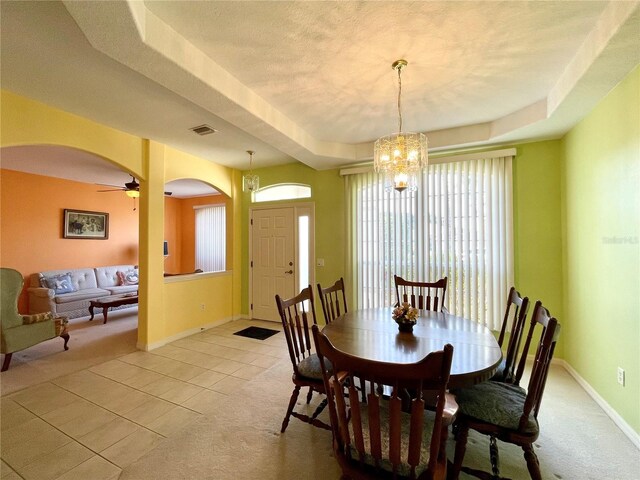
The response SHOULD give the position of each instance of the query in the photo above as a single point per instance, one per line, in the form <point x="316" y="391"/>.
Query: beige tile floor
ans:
<point x="93" y="422"/>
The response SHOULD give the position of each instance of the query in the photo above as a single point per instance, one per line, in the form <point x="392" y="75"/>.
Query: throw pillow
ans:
<point x="130" y="277"/>
<point x="61" y="283"/>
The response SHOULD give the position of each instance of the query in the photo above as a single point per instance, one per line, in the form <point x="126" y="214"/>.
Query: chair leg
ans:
<point x="7" y="361"/>
<point x="292" y="402"/>
<point x="65" y="336"/>
<point x="462" y="432"/>
<point x="532" y="462"/>
<point x="493" y="455"/>
<point x="319" y="409"/>
<point x="440" y="472"/>
<point x="309" y="395"/>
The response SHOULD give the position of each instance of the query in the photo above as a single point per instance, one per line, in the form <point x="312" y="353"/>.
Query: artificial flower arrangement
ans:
<point x="405" y="316"/>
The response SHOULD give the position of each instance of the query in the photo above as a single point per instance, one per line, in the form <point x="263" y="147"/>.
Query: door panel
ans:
<point x="273" y="258"/>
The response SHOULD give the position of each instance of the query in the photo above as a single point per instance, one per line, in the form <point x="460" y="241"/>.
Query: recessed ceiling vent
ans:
<point x="203" y="129"/>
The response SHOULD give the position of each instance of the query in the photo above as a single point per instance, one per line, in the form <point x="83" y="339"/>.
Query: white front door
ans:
<point x="273" y="257"/>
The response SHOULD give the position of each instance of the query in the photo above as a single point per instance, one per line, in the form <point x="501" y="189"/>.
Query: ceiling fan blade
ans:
<point x="108" y="185"/>
<point x="168" y="194"/>
<point x="114" y="190"/>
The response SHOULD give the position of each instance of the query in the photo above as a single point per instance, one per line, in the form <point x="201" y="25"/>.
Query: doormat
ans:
<point x="257" y="333"/>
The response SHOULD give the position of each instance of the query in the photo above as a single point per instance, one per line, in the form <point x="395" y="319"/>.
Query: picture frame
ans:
<point x="84" y="224"/>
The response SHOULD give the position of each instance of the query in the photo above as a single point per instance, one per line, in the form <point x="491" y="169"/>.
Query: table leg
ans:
<point x="91" y="311"/>
<point x="104" y="314"/>
<point x="65" y="337"/>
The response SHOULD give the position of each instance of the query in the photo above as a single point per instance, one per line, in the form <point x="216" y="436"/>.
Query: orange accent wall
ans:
<point x="173" y="235"/>
<point x="179" y="230"/>
<point x="31" y="216"/>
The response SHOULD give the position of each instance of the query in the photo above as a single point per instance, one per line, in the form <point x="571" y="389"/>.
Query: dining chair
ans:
<point x="375" y="437"/>
<point x="294" y="313"/>
<point x="333" y="300"/>
<point x="507" y="412"/>
<point x="421" y="295"/>
<point x="517" y="308"/>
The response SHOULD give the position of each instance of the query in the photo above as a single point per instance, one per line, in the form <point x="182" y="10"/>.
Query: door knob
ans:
<point x="289" y="271"/>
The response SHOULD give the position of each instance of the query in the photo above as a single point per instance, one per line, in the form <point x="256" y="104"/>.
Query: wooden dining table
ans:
<point x="373" y="334"/>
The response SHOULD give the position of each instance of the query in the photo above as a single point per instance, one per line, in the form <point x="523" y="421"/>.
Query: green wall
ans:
<point x="537" y="217"/>
<point x="601" y="251"/>
<point x="327" y="192"/>
<point x="537" y="227"/>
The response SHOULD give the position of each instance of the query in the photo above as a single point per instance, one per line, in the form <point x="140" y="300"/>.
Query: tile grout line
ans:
<point x="69" y="436"/>
<point x="119" y="359"/>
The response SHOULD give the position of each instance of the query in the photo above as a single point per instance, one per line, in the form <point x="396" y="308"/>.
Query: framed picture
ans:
<point x="84" y="224"/>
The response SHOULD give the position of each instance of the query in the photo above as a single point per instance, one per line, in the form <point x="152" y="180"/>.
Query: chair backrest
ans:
<point x="11" y="282"/>
<point x="421" y="295"/>
<point x="542" y="361"/>
<point x="368" y="430"/>
<point x="330" y="298"/>
<point x="517" y="308"/>
<point x="294" y="313"/>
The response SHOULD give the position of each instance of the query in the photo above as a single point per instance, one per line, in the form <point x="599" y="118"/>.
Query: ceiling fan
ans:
<point x="132" y="188"/>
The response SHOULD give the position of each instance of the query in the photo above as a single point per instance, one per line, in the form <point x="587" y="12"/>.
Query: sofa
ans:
<point x="68" y="292"/>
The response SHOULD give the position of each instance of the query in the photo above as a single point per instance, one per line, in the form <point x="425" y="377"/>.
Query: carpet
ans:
<point x="258" y="333"/>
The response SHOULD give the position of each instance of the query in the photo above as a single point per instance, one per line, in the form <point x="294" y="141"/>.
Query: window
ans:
<point x="457" y="223"/>
<point x="282" y="191"/>
<point x="304" y="279"/>
<point x="210" y="238"/>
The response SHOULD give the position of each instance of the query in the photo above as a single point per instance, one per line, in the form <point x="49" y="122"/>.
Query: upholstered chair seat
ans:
<point x="310" y="367"/>
<point x="497" y="403"/>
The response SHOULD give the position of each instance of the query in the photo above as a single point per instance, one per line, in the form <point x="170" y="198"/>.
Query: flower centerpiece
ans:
<point x="405" y="316"/>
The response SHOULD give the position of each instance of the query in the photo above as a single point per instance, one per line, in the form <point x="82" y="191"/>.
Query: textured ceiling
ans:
<point x="311" y="81"/>
<point x="328" y="67"/>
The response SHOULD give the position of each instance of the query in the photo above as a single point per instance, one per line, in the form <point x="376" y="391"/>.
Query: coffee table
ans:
<point x="111" y="302"/>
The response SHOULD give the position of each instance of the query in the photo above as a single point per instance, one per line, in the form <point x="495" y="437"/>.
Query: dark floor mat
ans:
<point x="257" y="333"/>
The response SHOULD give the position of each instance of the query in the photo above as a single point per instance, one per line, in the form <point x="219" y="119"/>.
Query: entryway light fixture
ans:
<point x="400" y="156"/>
<point x="251" y="181"/>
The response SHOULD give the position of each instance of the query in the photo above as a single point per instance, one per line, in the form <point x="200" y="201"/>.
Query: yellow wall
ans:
<point x="26" y="122"/>
<point x="601" y="203"/>
<point x="197" y="302"/>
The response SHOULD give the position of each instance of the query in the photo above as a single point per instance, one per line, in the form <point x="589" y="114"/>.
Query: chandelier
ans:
<point x="400" y="156"/>
<point x="251" y="181"/>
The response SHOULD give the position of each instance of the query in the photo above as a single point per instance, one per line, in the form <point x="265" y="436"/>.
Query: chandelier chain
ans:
<point x="399" y="99"/>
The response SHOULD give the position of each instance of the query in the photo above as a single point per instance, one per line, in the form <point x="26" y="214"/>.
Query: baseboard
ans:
<point x="608" y="409"/>
<point x="152" y="346"/>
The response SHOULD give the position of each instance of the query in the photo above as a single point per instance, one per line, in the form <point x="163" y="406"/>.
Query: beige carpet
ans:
<point x="242" y="440"/>
<point x="90" y="343"/>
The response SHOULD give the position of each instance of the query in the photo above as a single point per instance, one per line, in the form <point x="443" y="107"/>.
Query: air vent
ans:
<point x="203" y="130"/>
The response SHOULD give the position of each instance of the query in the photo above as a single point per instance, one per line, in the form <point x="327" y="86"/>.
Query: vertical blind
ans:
<point x="211" y="238"/>
<point x="457" y="223"/>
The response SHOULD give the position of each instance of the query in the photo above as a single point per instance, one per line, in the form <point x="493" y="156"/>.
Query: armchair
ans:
<point x="22" y="331"/>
